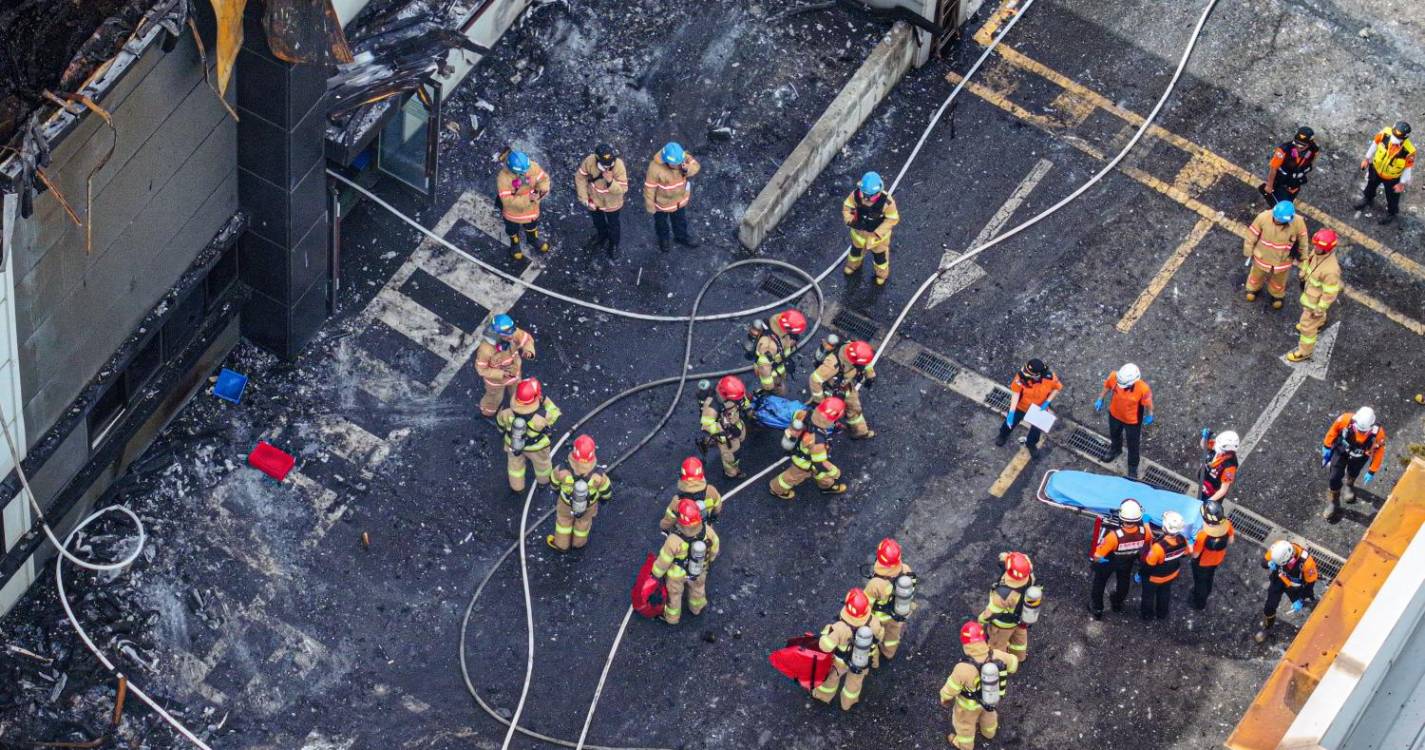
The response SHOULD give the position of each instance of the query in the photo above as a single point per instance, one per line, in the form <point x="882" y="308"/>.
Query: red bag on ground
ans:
<point x="271" y="460"/>
<point x="803" y="661"/>
<point x="649" y="593"/>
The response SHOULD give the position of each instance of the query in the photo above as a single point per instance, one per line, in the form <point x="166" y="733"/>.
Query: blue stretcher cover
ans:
<point x="1100" y="495"/>
<point x="774" y="411"/>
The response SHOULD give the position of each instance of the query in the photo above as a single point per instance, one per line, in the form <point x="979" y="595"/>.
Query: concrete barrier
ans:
<point x="883" y="68"/>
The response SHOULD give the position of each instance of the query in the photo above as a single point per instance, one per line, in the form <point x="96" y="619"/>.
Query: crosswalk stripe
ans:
<point x="418" y="323"/>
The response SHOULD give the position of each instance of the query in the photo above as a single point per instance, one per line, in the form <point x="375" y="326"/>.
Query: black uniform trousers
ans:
<point x="1201" y="584"/>
<point x="1118" y="568"/>
<point x="672" y="224"/>
<point x="608" y="225"/>
<point x="1032" y="441"/>
<point x="1374" y="181"/>
<point x="1157" y="597"/>
<point x="1294" y="593"/>
<point x="1117" y="432"/>
<point x="1343" y="465"/>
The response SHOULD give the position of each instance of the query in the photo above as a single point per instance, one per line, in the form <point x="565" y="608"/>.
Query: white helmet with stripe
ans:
<point x="1128" y="375"/>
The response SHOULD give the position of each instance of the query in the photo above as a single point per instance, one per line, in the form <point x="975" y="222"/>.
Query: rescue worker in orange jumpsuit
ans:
<point x="667" y="188"/>
<point x="882" y="588"/>
<point x="1293" y="571"/>
<point x="692" y="485"/>
<point x="844" y="373"/>
<point x="1162" y="562"/>
<point x="1291" y="162"/>
<point x="601" y="183"/>
<point x="1320" y="275"/>
<point x="1353" y="442"/>
<point x="1209" y="549"/>
<point x="773" y="344"/>
<point x="852" y="660"/>
<point x="1034" y="385"/>
<point x="683" y="562"/>
<point x="574" y="513"/>
<point x="1219" y="469"/>
<point x="972" y="702"/>
<point x="531" y="444"/>
<point x="809" y="447"/>
<point x="499" y="359"/>
<point x="724" y="421"/>
<point x="1130" y="408"/>
<point x="1008" y="600"/>
<point x="871" y="213"/>
<point x="520" y="187"/>
<point x="1274" y="239"/>
<point x="1389" y="160"/>
<point x="1114" y="556"/>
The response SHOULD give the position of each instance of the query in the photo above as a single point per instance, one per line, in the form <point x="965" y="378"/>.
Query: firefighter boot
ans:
<point x="516" y="251"/>
<point x="1267" y="622"/>
<point x="1350" y="490"/>
<point x="1332" y="514"/>
<point x="539" y="244"/>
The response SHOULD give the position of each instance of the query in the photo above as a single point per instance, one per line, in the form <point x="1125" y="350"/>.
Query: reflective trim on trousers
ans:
<point x="581" y="533"/>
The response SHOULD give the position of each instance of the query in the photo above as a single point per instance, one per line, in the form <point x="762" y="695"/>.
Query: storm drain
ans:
<point x="935" y="366"/>
<point x="1089" y="442"/>
<point x="998" y="398"/>
<point x="1157" y="476"/>
<point x="1327" y="564"/>
<point x="1250" y="525"/>
<point x="1264" y="532"/>
<point x="855" y="325"/>
<point x="780" y="286"/>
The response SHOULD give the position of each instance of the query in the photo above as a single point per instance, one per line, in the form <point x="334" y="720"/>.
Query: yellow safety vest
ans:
<point x="1391" y="162"/>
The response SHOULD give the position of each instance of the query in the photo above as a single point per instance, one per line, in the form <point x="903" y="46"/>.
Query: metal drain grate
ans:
<point x="855" y="325"/>
<point x="1157" y="476"/>
<point x="780" y="286"/>
<point x="998" y="398"/>
<point x="1088" y="442"/>
<point x="935" y="366"/>
<point x="1250" y="525"/>
<point x="1327" y="564"/>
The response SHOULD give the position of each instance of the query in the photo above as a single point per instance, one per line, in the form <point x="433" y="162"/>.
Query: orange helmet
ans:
<point x="972" y="632"/>
<point x="1324" y="240"/>
<point x="692" y="469"/>
<point x="831" y="409"/>
<point x="1017" y="566"/>
<point x="860" y="353"/>
<point x="792" y="321"/>
<point x="730" y="388"/>
<point x="583" y="451"/>
<point x="888" y="554"/>
<point x="857" y="605"/>
<point x="528" y="391"/>
<point x="688" y="513"/>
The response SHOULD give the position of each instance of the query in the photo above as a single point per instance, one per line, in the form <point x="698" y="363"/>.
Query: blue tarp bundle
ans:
<point x="775" y="411"/>
<point x="1101" y="495"/>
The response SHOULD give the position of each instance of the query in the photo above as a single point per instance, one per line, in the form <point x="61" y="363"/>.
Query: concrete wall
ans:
<point x="168" y="187"/>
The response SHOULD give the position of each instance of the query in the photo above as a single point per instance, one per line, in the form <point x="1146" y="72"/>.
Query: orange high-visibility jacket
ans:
<point x="1343" y="436"/>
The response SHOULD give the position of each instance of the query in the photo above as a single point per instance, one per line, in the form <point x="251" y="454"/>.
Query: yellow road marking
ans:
<point x="1071" y="108"/>
<point x="1164" y="275"/>
<point x="1197" y="175"/>
<point x="986" y="34"/>
<point x="1390" y="312"/>
<point x="1011" y="472"/>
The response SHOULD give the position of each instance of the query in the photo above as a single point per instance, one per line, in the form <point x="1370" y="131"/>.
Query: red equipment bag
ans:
<point x="803" y="661"/>
<point x="649" y="593"/>
<point x="271" y="460"/>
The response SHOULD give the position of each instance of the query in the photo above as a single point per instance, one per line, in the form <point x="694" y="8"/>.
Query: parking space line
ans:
<point x="1164" y="275"/>
<point x="1010" y="473"/>
<point x="962" y="276"/>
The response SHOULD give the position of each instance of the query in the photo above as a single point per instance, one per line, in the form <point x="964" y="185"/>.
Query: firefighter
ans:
<point x="1013" y="605"/>
<point x="1033" y="385"/>
<point x="666" y="190"/>
<point x="499" y="359"/>
<point x="725" y="421"/>
<point x="1208" y="551"/>
<point x="891" y="597"/>
<point x="1162" y="562"/>
<point x="852" y="641"/>
<point x="521" y="185"/>
<point x="773" y="342"/>
<point x="1389" y="160"/>
<point x="1291" y="162"/>
<point x="538" y="415"/>
<point x="683" y="562"/>
<point x="582" y="489"/>
<point x="872" y="214"/>
<point x="1353" y="442"/>
<point x="807" y="439"/>
<point x="601" y="183"/>
<point x="1114" y="556"/>
<point x="1219" y="469"/>
<point x="1129" y="410"/>
<point x="693" y="485"/>
<point x="1320" y="277"/>
<point x="974" y="688"/>
<point x="1275" y="238"/>
<point x="1293" y="572"/>
<point x="843" y="373"/>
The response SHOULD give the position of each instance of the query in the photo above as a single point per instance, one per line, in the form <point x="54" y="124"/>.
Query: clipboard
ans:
<point x="1041" y="418"/>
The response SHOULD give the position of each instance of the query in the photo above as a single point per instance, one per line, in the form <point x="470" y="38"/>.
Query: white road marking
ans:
<point x="965" y="275"/>
<point x="380" y="379"/>
<point x="352" y="442"/>
<point x="418" y="323"/>
<point x="1311" y="368"/>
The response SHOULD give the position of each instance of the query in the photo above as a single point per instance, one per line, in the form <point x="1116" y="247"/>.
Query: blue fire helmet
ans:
<point x="1284" y="212"/>
<point x="871" y="184"/>
<point x="673" y="154"/>
<point x="518" y="162"/>
<point x="502" y="325"/>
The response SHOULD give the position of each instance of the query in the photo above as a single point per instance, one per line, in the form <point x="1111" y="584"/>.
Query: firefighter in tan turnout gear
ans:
<point x="772" y="344"/>
<point x="667" y="188"/>
<point x="807" y="440"/>
<point x="521" y="185"/>
<point x="1013" y="606"/>
<point x="1320" y="276"/>
<point x="853" y="640"/>
<point x="1275" y="237"/>
<point x="582" y="489"/>
<point x="601" y="183"/>
<point x="499" y="358"/>
<point x="871" y="214"/>
<point x="723" y="421"/>
<point x="687" y="553"/>
<point x="526" y="423"/>
<point x="891" y="590"/>
<point x="844" y="373"/>
<point x="974" y="688"/>
<point x="692" y="485"/>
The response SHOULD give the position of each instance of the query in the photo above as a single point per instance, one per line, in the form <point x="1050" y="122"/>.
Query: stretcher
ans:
<point x="1099" y="496"/>
<point x="776" y="412"/>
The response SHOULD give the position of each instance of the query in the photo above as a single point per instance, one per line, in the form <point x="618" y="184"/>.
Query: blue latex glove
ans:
<point x="1137" y="577"/>
<point x="1098" y="405"/>
<point x="1047" y="406"/>
<point x="1148" y="419"/>
<point x="1296" y="605"/>
<point x="1206" y="434"/>
<point x="1100" y="560"/>
<point x="1271" y="566"/>
<point x="1325" y="455"/>
<point x="1009" y="422"/>
<point x="1369" y="476"/>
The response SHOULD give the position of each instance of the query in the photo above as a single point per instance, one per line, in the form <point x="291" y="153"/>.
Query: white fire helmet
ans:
<point x="1280" y="552"/>
<point x="1364" y="419"/>
<point x="1227" y="442"/>
<point x="1128" y="375"/>
<point x="1130" y="511"/>
<point x="1173" y="522"/>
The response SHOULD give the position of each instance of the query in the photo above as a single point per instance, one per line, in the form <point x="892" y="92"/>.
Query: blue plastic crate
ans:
<point x="230" y="385"/>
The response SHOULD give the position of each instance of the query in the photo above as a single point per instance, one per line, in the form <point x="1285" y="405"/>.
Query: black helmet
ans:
<point x="1401" y="129"/>
<point x="605" y="153"/>
<point x="1212" y="511"/>
<point x="1305" y="134"/>
<point x="1035" y="368"/>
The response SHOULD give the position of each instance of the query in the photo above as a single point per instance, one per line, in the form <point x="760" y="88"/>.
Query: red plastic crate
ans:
<point x="271" y="460"/>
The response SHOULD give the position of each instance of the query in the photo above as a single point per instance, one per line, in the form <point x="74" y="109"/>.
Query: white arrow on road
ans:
<point x="1311" y="368"/>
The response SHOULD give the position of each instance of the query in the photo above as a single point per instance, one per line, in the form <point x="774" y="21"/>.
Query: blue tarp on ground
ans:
<point x="1101" y="495"/>
<point x="774" y="411"/>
